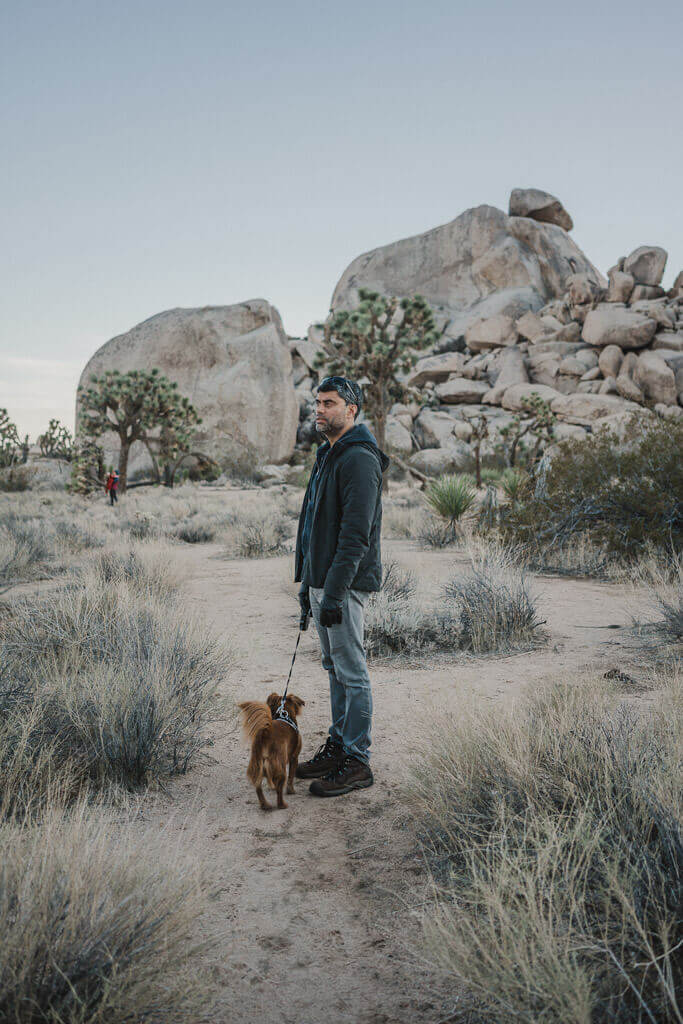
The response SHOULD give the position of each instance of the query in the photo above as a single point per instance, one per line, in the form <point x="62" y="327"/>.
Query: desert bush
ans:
<point x="398" y="582"/>
<point x="111" y="678"/>
<point x="664" y="580"/>
<point x="624" y="493"/>
<point x="25" y="550"/>
<point x="257" y="536"/>
<point x="451" y="497"/>
<point x="553" y="832"/>
<point x="16" y="479"/>
<point x="407" y="625"/>
<point x="494" y="603"/>
<point x="75" y="537"/>
<point x="430" y="533"/>
<point x="491" y="476"/>
<point x="96" y="929"/>
<point x="196" y="532"/>
<point x="147" y="568"/>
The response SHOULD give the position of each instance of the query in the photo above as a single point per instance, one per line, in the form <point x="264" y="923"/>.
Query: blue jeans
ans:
<point x="343" y="656"/>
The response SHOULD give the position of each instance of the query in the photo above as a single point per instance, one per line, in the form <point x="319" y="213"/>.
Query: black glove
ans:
<point x="330" y="612"/>
<point x="305" y="605"/>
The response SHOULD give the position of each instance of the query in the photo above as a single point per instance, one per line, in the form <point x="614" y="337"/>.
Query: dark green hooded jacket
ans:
<point x="345" y="518"/>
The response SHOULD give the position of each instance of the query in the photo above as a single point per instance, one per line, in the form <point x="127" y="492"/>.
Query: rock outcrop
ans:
<point x="539" y="205"/>
<point x="482" y="264"/>
<point x="234" y="365"/>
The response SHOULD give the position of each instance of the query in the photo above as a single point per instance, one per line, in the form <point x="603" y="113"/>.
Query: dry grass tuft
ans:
<point x="108" y="680"/>
<point x="488" y="609"/>
<point x="258" y="536"/>
<point x="494" y="602"/>
<point x="96" y="929"/>
<point x="664" y="580"/>
<point x="553" y="832"/>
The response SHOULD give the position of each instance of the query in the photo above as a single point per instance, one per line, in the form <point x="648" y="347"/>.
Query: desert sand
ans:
<point x="311" y="911"/>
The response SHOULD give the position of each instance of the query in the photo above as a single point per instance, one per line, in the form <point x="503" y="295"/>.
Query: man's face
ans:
<point x="332" y="414"/>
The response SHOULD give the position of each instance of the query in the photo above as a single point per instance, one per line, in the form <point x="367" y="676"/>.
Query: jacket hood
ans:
<point x="358" y="434"/>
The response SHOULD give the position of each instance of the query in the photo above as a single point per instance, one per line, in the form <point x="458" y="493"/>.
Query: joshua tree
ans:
<point x="87" y="467"/>
<point x="170" y="449"/>
<point x="133" y="405"/>
<point x="541" y="423"/>
<point x="480" y="431"/>
<point x="9" y="440"/>
<point x="373" y="343"/>
<point x="56" y="442"/>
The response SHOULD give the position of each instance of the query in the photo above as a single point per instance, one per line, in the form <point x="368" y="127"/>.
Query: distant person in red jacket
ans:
<point x="111" y="486"/>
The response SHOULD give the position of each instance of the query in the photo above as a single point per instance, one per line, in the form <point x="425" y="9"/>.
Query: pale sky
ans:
<point x="159" y="154"/>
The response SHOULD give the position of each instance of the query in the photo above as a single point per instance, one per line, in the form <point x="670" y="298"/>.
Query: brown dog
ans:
<point x="275" y="744"/>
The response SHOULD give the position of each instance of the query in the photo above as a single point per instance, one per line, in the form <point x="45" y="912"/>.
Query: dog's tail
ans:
<point x="256" y="718"/>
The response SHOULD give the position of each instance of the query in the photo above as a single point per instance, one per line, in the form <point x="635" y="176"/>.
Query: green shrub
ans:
<point x="451" y="497"/>
<point x="512" y="483"/>
<point x="553" y="831"/>
<point x="625" y="494"/>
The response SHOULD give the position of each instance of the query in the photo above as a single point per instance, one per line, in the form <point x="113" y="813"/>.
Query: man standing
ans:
<point x="338" y="563"/>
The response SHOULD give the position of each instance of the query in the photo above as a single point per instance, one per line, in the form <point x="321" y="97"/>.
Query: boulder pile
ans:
<point x="596" y="350"/>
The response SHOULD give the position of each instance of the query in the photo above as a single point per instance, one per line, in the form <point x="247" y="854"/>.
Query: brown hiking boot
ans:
<point x="350" y="774"/>
<point x="326" y="759"/>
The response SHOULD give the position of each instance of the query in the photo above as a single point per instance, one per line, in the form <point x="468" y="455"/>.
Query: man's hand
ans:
<point x="330" y="612"/>
<point x="304" y="599"/>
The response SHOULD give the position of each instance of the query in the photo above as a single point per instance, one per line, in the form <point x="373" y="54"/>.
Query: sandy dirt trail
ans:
<point x="311" y="927"/>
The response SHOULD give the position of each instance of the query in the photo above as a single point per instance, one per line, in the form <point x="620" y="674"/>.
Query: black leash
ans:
<point x="281" y="713"/>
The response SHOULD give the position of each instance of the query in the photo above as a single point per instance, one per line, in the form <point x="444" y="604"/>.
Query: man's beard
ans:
<point x="328" y="428"/>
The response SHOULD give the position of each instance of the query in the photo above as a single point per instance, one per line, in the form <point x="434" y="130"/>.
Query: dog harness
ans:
<point x="282" y="715"/>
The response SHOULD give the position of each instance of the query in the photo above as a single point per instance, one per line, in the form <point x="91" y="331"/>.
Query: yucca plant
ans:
<point x="451" y="497"/>
<point x="512" y="482"/>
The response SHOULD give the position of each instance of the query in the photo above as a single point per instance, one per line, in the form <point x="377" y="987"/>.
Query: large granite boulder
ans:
<point x="436" y="368"/>
<point x="518" y="393"/>
<point x="655" y="378"/>
<point x="494" y="332"/>
<point x="539" y="205"/>
<point x="479" y="265"/>
<point x="615" y="325"/>
<point x="458" y="389"/>
<point x="646" y="265"/>
<point x="232" y="362"/>
<point x="456" y="457"/>
<point x="584" y="409"/>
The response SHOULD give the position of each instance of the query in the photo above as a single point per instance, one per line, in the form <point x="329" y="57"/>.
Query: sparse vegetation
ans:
<point x="108" y="681"/>
<point x="95" y="929"/>
<point x="553" y="832"/>
<point x="625" y="495"/>
<point x="496" y="608"/>
<point x="489" y="608"/>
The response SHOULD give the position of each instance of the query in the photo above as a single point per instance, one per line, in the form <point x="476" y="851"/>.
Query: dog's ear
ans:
<point x="273" y="701"/>
<point x="295" y="703"/>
